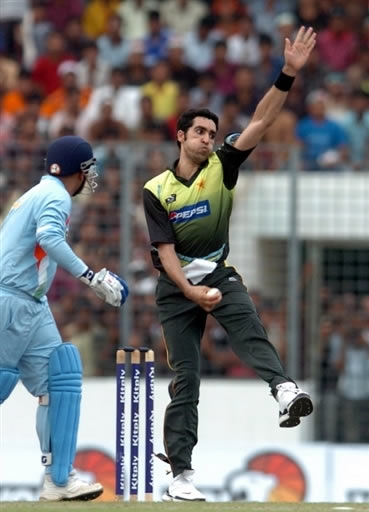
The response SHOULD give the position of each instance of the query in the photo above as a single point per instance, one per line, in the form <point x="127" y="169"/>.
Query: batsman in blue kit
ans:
<point x="32" y="244"/>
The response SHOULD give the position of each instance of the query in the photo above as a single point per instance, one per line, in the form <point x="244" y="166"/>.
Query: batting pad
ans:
<point x="8" y="380"/>
<point x="65" y="384"/>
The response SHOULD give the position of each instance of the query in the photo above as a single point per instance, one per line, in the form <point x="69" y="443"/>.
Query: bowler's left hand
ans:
<point x="297" y="53"/>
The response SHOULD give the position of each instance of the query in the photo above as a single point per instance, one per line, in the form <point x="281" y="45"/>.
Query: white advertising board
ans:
<point x="240" y="455"/>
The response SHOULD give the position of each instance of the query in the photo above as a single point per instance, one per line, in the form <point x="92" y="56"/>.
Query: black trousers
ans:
<point x="183" y="325"/>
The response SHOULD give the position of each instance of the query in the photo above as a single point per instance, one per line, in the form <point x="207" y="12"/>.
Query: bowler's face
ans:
<point x="198" y="141"/>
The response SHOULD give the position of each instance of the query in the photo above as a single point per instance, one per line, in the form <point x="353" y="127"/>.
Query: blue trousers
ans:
<point x="28" y="335"/>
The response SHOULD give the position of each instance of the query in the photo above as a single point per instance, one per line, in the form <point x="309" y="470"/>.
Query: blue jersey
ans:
<point x="318" y="137"/>
<point x="32" y="239"/>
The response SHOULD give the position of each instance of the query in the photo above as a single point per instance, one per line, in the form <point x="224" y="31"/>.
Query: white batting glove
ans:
<point x="108" y="286"/>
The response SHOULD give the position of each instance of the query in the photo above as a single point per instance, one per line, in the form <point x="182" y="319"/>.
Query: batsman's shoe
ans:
<point x="182" y="488"/>
<point x="293" y="404"/>
<point x="74" y="490"/>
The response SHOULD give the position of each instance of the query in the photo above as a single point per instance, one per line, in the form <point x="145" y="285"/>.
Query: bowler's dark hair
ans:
<point x="186" y="120"/>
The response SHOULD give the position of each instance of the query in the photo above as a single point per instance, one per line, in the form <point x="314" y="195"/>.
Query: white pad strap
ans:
<point x="43" y="400"/>
<point x="46" y="459"/>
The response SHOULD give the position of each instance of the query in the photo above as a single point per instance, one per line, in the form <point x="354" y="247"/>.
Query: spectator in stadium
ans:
<point x="246" y="91"/>
<point x="59" y="12"/>
<point x="264" y="13"/>
<point x="337" y="44"/>
<point x="162" y="90"/>
<point x="106" y="128"/>
<point x="182" y="15"/>
<point x="55" y="101"/>
<point x="324" y="142"/>
<point x="224" y="71"/>
<point x="45" y="70"/>
<point x="309" y="14"/>
<point x="86" y="335"/>
<point x="64" y="290"/>
<point x="356" y="125"/>
<point x="34" y="30"/>
<point x="91" y="70"/>
<point x="137" y="73"/>
<point x="9" y="70"/>
<point x="65" y="120"/>
<point x="286" y="27"/>
<point x="90" y="239"/>
<point x="156" y="41"/>
<point x="148" y="332"/>
<point x="149" y="129"/>
<point x="243" y="46"/>
<point x="75" y="39"/>
<point x="14" y="101"/>
<point x="198" y="45"/>
<point x="24" y="154"/>
<point x="364" y="32"/>
<point x="182" y="73"/>
<point x="183" y="104"/>
<point x="31" y="348"/>
<point x="113" y="47"/>
<point x="135" y="14"/>
<point x="364" y="309"/>
<point x="358" y="73"/>
<point x="106" y="362"/>
<point x="203" y="94"/>
<point x="331" y="335"/>
<point x="226" y="14"/>
<point x="353" y="387"/>
<point x="187" y="209"/>
<point x="338" y="97"/>
<point x="278" y="141"/>
<point x="269" y="65"/>
<point x="229" y="119"/>
<point x="6" y="128"/>
<point x="95" y="16"/>
<point x="11" y="14"/>
<point x="125" y="99"/>
<point x="273" y="317"/>
<point x="311" y="78"/>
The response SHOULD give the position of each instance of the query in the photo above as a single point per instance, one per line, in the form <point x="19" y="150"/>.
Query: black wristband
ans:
<point x="284" y="82"/>
<point x="87" y="276"/>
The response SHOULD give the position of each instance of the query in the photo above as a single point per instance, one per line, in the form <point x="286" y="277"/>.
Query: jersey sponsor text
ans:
<point x="190" y="212"/>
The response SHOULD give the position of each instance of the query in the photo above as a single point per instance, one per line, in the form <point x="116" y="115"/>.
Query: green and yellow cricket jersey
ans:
<point x="194" y="214"/>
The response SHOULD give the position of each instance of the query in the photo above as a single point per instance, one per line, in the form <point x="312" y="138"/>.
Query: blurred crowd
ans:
<point x="344" y="368"/>
<point x="124" y="70"/>
<point x="120" y="72"/>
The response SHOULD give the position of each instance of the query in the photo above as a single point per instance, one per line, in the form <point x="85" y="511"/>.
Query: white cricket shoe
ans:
<point x="293" y="404"/>
<point x="74" y="490"/>
<point x="182" y="488"/>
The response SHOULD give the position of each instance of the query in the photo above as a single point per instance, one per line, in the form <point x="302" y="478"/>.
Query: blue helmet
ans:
<point x="70" y="155"/>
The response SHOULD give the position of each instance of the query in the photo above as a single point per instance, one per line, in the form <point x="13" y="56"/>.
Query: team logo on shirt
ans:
<point x="54" y="169"/>
<point x="190" y="212"/>
<point x="171" y="199"/>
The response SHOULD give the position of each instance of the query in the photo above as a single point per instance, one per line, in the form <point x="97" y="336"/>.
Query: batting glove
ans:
<point x="108" y="286"/>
